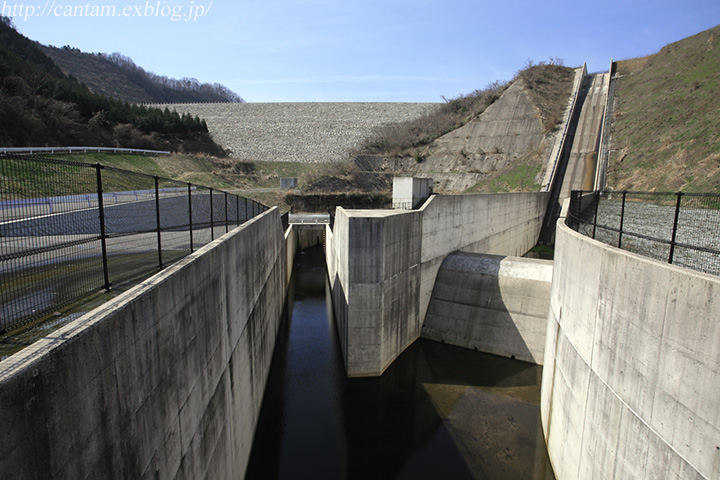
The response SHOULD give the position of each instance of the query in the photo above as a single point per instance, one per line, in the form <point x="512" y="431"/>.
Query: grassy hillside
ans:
<point x="119" y="77"/>
<point x="666" y="124"/>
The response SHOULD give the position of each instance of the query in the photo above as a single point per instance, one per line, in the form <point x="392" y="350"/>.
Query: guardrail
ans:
<point x="54" y="150"/>
<point x="309" y="218"/>
<point x="69" y="229"/>
<point x="604" y="139"/>
<point x="678" y="228"/>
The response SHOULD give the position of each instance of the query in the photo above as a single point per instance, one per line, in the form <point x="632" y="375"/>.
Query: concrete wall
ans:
<point x="291" y="248"/>
<point x="375" y="290"/>
<point x="166" y="381"/>
<point x="496" y="223"/>
<point x="491" y="303"/>
<point x="383" y="264"/>
<point x="631" y="382"/>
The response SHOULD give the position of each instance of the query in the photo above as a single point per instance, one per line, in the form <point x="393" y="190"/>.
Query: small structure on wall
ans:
<point x="288" y="183"/>
<point x="409" y="192"/>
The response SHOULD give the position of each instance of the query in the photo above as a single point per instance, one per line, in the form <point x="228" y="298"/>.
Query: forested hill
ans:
<point x="117" y="76"/>
<point x="42" y="106"/>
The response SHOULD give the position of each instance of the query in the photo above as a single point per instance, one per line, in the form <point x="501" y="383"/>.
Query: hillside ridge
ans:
<point x="117" y="76"/>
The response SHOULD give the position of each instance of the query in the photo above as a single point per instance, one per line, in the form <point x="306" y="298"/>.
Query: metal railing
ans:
<point x="679" y="228"/>
<point x="309" y="218"/>
<point x="69" y="229"/>
<point x="54" y="150"/>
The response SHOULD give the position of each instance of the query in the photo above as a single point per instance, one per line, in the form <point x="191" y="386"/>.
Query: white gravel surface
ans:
<point x="297" y="132"/>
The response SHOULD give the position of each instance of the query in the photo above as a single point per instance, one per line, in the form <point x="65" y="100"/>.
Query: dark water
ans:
<point x="438" y="412"/>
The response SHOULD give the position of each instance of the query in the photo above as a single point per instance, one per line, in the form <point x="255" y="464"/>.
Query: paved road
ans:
<point x="131" y="217"/>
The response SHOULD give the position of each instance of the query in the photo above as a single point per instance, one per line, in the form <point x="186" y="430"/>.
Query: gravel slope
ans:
<point x="297" y="132"/>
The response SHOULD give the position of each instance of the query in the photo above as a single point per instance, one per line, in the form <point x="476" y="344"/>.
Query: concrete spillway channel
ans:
<point x="587" y="133"/>
<point x="439" y="411"/>
<point x="576" y="165"/>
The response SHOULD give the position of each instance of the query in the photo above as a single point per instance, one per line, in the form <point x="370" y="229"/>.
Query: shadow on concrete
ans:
<point x="476" y="305"/>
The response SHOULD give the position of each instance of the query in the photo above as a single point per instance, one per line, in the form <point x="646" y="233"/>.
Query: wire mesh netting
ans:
<point x="69" y="229"/>
<point x="678" y="228"/>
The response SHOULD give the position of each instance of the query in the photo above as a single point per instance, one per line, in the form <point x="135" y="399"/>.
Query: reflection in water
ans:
<point x="438" y="412"/>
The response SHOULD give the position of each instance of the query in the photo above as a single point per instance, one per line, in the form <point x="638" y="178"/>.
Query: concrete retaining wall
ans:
<point x="631" y="382"/>
<point x="166" y="381"/>
<point x="383" y="264"/>
<point x="491" y="303"/>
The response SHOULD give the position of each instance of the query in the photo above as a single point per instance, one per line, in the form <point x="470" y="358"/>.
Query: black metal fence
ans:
<point x="68" y="229"/>
<point x="678" y="228"/>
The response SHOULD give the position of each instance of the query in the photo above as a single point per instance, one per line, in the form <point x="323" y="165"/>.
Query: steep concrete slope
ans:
<point x="508" y="134"/>
<point x="507" y="129"/>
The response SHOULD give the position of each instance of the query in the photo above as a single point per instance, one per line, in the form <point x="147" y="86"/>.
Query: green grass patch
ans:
<point x="543" y="252"/>
<point x="667" y="118"/>
<point x="518" y="179"/>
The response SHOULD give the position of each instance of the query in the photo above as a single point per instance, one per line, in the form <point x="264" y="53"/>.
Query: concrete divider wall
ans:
<point x="631" y="381"/>
<point x="166" y="381"/>
<point x="291" y="248"/>
<point x="375" y="287"/>
<point x="383" y="264"/>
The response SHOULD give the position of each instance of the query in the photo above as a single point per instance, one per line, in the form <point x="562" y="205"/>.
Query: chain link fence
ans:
<point x="679" y="228"/>
<point x="69" y="229"/>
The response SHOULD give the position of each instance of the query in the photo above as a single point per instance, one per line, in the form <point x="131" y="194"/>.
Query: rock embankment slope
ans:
<point x="298" y="132"/>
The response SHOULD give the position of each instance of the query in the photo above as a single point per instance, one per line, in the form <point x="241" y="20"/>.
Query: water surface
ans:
<point x="438" y="412"/>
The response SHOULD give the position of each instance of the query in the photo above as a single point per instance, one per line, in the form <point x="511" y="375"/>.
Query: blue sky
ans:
<point x="369" y="50"/>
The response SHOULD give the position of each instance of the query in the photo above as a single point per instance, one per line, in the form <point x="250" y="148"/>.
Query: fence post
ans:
<point x="246" y="208"/>
<point x="622" y="219"/>
<point x="597" y="203"/>
<point x="237" y="210"/>
<point x="157" y="218"/>
<point x="675" y="224"/>
<point x="226" y="213"/>
<point x="190" y="215"/>
<point x="103" y="236"/>
<point x="212" y="225"/>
